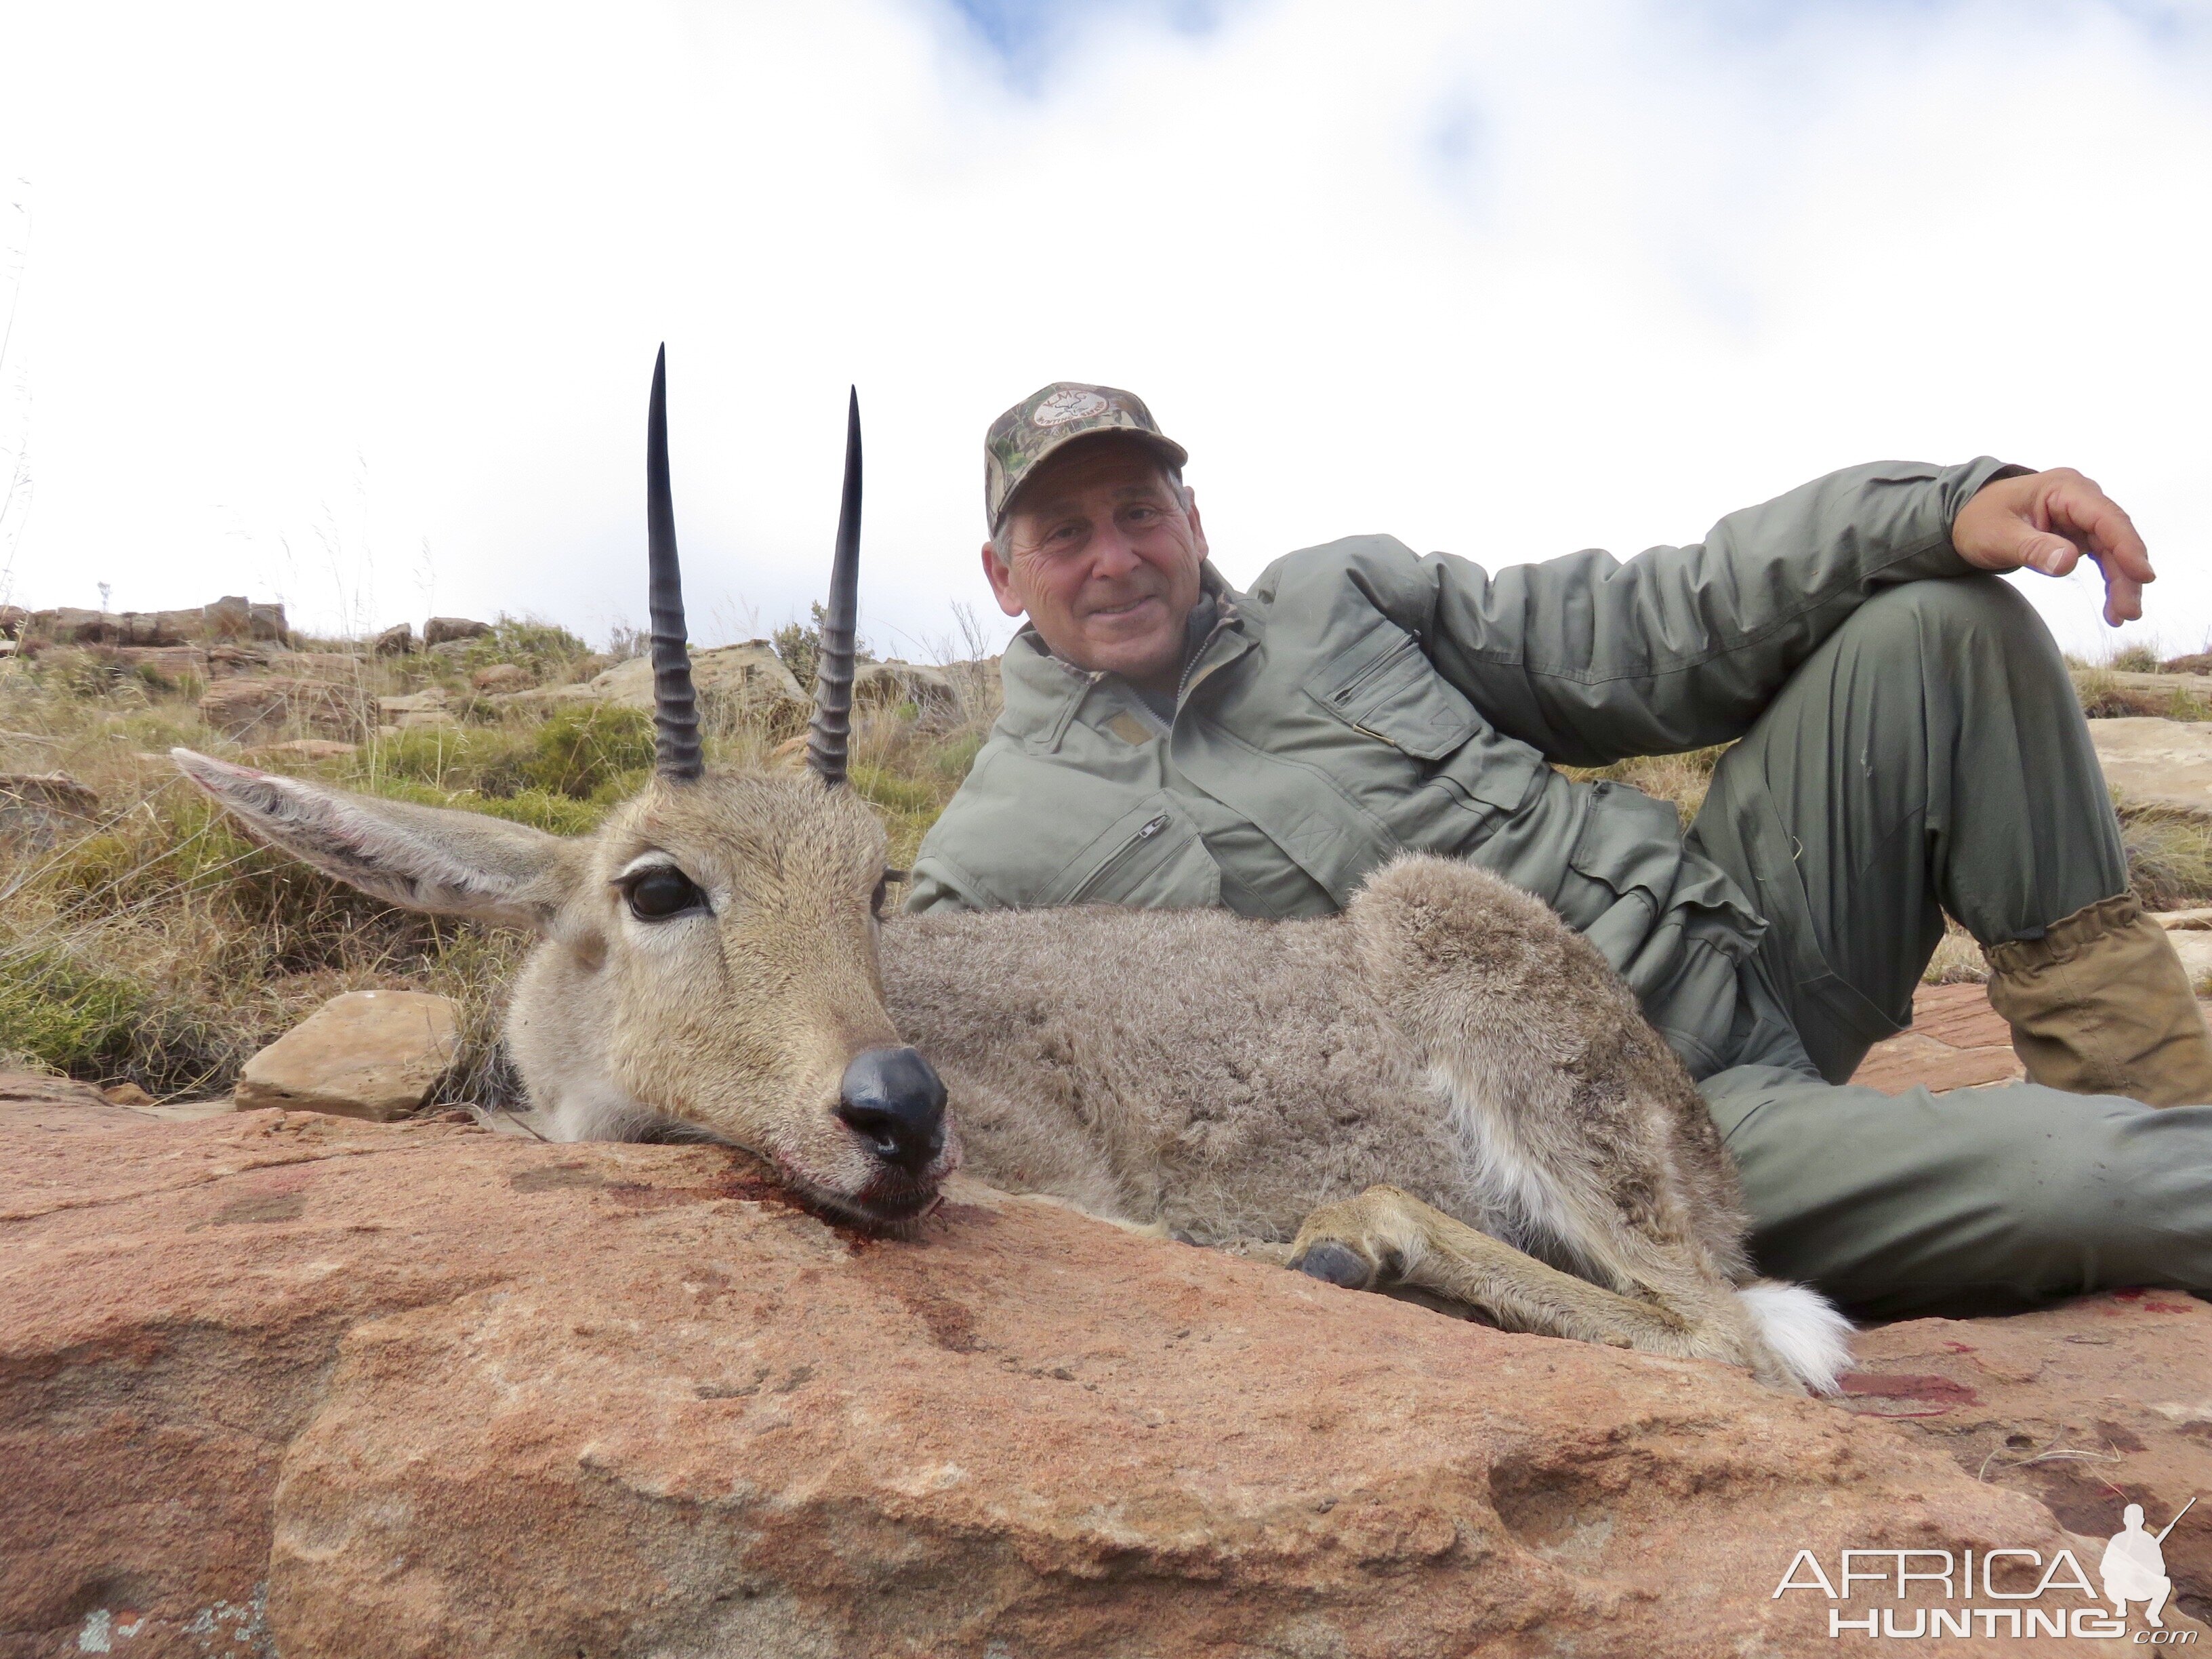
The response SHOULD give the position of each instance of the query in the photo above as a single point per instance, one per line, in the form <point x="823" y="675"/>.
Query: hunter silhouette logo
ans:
<point x="2062" y="1602"/>
<point x="2134" y="1567"/>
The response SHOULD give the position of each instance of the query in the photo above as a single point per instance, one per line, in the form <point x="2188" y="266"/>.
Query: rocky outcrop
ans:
<point x="19" y="1090"/>
<point x="2157" y="763"/>
<point x="305" y="748"/>
<point x="344" y="667"/>
<point x="229" y="619"/>
<point x="38" y="809"/>
<point x="888" y="685"/>
<point x="257" y="708"/>
<point x="397" y="641"/>
<point x="502" y="676"/>
<point x="424" y="708"/>
<point x="374" y="1054"/>
<point x="447" y="631"/>
<point x="748" y="680"/>
<point x="169" y="662"/>
<point x="280" y="1382"/>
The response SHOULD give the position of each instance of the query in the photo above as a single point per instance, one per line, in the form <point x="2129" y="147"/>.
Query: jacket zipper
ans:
<point x="1146" y="831"/>
<point x="1222" y="616"/>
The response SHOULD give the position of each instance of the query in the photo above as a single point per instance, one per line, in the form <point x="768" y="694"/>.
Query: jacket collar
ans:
<point x="1044" y="693"/>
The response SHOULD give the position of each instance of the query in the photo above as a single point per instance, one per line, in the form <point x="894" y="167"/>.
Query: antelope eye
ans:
<point x="663" y="891"/>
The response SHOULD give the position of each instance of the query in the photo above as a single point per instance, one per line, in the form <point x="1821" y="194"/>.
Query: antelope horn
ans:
<point x="675" y="714"/>
<point x="828" y="738"/>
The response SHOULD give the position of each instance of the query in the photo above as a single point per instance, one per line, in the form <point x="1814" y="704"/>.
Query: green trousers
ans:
<point x="1930" y="757"/>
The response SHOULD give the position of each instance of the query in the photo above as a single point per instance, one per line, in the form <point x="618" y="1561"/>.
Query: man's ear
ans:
<point x="1001" y="575"/>
<point x="1197" y="528"/>
<point x="425" y="858"/>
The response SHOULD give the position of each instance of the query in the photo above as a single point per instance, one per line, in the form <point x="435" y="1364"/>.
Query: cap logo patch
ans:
<point x="1069" y="405"/>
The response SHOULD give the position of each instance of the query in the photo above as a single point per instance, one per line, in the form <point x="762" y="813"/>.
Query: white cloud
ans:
<point x="307" y="288"/>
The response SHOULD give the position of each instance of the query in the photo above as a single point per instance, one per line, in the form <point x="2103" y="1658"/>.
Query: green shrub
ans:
<point x="542" y="647"/>
<point x="63" y="1013"/>
<point x="590" y="751"/>
<point x="799" y="645"/>
<point x="487" y="760"/>
<point x="892" y="793"/>
<point x="800" y="648"/>
<point x="586" y="749"/>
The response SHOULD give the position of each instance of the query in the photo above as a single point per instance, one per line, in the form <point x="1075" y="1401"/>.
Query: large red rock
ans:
<point x="286" y="1383"/>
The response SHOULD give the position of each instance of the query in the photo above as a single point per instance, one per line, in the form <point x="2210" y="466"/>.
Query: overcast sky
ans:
<point x="355" y="305"/>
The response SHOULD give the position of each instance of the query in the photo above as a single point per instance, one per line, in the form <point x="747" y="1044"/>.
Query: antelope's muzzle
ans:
<point x="892" y="1099"/>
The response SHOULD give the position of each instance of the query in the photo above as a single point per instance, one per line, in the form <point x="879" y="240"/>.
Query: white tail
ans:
<point x="1801" y="1326"/>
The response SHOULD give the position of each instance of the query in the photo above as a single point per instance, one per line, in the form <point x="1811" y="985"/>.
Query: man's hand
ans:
<point x="2046" y="521"/>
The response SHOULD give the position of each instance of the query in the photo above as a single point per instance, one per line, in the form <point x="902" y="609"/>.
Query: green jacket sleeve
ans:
<point x="1591" y="660"/>
<point x="937" y="883"/>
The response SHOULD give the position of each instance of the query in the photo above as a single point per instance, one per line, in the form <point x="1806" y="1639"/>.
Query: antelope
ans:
<point x="1444" y="1092"/>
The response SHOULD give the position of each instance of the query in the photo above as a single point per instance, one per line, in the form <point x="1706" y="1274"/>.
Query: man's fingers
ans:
<point x="2122" y="592"/>
<point x="2079" y="506"/>
<point x="2045" y="521"/>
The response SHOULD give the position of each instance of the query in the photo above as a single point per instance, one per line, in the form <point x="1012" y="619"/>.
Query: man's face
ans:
<point x="1104" y="559"/>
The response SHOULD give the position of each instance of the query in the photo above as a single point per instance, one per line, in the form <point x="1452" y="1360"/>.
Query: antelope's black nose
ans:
<point x="893" y="1101"/>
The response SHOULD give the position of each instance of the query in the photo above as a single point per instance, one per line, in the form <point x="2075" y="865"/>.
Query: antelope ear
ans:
<point x="425" y="858"/>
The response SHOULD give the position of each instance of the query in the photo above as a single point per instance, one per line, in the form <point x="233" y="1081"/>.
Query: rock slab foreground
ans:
<point x="376" y="1054"/>
<point x="281" y="1382"/>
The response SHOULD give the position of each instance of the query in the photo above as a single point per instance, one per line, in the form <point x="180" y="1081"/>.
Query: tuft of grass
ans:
<point x="2103" y="697"/>
<point x="2134" y="660"/>
<point x="1958" y="959"/>
<point x="1681" y="779"/>
<point x="2169" y="857"/>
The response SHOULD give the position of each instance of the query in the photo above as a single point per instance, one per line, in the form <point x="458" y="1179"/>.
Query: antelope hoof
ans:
<point x="1336" y="1264"/>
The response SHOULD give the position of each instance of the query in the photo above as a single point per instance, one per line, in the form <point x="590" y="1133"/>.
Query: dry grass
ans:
<point x="1683" y="778"/>
<point x="2169" y="857"/>
<point x="1958" y="960"/>
<point x="2104" y="697"/>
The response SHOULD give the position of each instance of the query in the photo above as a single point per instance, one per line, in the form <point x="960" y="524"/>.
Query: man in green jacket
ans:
<point x="1906" y="743"/>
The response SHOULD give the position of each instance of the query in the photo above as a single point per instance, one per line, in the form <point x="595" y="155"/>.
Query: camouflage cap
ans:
<point x="1056" y="416"/>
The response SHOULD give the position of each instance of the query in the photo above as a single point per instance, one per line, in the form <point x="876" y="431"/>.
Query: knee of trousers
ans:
<point x="1947" y="620"/>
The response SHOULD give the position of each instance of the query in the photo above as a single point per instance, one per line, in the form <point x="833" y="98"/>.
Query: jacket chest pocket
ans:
<point x="1152" y="857"/>
<point x="1384" y="688"/>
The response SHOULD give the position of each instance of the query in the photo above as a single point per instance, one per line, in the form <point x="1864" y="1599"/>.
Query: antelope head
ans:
<point x="707" y="960"/>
